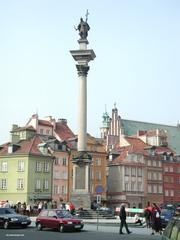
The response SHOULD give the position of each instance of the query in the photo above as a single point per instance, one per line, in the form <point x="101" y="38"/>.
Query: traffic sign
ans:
<point x="99" y="189"/>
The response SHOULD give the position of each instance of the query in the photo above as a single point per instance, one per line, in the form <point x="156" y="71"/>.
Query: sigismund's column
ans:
<point x="81" y="193"/>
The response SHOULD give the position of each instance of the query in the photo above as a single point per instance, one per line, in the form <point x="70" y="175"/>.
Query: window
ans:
<point x="133" y="186"/>
<point x="41" y="131"/>
<point x="51" y="213"/>
<point x="160" y="176"/>
<point x="149" y="175"/>
<point x="3" y="183"/>
<point x="160" y="164"/>
<point x="46" y="167"/>
<point x="47" y="131"/>
<point x="149" y="188"/>
<point x="172" y="193"/>
<point x="154" y="163"/>
<point x="178" y="181"/>
<point x="133" y="171"/>
<point x="64" y="162"/>
<point x="154" y="188"/>
<point x="98" y="175"/>
<point x="63" y="190"/>
<point x="139" y="172"/>
<point x="38" y="167"/>
<point x="20" y="183"/>
<point x="64" y="147"/>
<point x="46" y="184"/>
<point x="56" y="189"/>
<point x="20" y="166"/>
<point x="149" y="162"/>
<point x="56" y="161"/>
<point x="139" y="186"/>
<point x="166" y="193"/>
<point x="38" y="184"/>
<point x="160" y="189"/>
<point x="126" y="186"/>
<point x="171" y="169"/>
<point x="154" y="176"/>
<point x="98" y="162"/>
<point x="4" y="167"/>
<point x="126" y="171"/>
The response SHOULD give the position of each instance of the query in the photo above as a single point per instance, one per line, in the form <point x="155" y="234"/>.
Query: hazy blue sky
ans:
<point x="137" y="44"/>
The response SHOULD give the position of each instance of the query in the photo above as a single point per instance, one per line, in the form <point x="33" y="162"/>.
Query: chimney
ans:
<point x="62" y="120"/>
<point x="14" y="135"/>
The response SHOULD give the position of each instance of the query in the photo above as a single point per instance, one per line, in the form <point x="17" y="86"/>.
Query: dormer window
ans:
<point x="41" y="131"/>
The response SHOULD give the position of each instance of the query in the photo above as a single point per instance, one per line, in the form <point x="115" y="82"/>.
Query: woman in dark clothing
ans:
<point x="155" y="219"/>
<point x="122" y="216"/>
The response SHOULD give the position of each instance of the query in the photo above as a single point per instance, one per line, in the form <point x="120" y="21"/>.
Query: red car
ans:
<point x="58" y="219"/>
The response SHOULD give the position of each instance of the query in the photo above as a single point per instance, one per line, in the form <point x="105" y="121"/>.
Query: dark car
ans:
<point x="172" y="231"/>
<point x="167" y="213"/>
<point x="9" y="218"/>
<point x="58" y="219"/>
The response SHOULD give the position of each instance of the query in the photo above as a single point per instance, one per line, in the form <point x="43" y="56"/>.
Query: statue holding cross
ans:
<point x="83" y="27"/>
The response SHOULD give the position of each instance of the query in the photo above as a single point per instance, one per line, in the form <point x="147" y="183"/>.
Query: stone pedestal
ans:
<point x="80" y="195"/>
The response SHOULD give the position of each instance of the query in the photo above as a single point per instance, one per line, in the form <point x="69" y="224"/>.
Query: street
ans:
<point x="90" y="232"/>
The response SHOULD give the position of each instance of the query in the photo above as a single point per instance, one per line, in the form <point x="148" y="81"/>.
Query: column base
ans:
<point x="81" y="200"/>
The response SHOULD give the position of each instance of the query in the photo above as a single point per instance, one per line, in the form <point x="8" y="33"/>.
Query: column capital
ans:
<point x="82" y="70"/>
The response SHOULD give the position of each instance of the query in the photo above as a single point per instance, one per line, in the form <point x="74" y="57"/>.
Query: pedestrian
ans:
<point x="147" y="216"/>
<point x="155" y="219"/>
<point x="122" y="216"/>
<point x="137" y="219"/>
<point x="7" y="204"/>
<point x="28" y="209"/>
<point x="40" y="206"/>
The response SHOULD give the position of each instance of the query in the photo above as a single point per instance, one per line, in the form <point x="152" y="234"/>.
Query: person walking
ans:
<point x="147" y="216"/>
<point x="155" y="219"/>
<point x="122" y="216"/>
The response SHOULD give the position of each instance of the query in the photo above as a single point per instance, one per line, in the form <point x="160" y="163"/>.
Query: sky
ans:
<point x="137" y="49"/>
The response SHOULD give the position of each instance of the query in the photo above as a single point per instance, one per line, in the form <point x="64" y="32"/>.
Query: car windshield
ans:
<point x="64" y="214"/>
<point x="6" y="211"/>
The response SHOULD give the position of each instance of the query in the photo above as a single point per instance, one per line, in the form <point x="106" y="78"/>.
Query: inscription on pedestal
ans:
<point x="80" y="177"/>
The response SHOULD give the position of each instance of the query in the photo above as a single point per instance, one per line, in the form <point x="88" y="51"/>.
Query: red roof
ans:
<point x="137" y="145"/>
<point x="163" y="149"/>
<point x="63" y="131"/>
<point x="29" y="146"/>
<point x="44" y="123"/>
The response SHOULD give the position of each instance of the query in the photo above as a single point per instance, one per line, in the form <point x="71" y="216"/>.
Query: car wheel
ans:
<point x="6" y="225"/>
<point x="39" y="226"/>
<point x="61" y="228"/>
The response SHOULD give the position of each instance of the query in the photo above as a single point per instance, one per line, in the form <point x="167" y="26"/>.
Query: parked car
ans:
<point x="58" y="219"/>
<point x="167" y="212"/>
<point x="9" y="218"/>
<point x="172" y="231"/>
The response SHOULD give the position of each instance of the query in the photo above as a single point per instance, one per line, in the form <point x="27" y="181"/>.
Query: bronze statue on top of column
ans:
<point x="83" y="27"/>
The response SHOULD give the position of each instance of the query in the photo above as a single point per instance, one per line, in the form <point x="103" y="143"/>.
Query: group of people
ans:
<point x="151" y="215"/>
<point x="35" y="208"/>
<point x="152" y="218"/>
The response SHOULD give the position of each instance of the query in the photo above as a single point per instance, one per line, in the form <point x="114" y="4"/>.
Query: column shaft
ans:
<point x="82" y="115"/>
